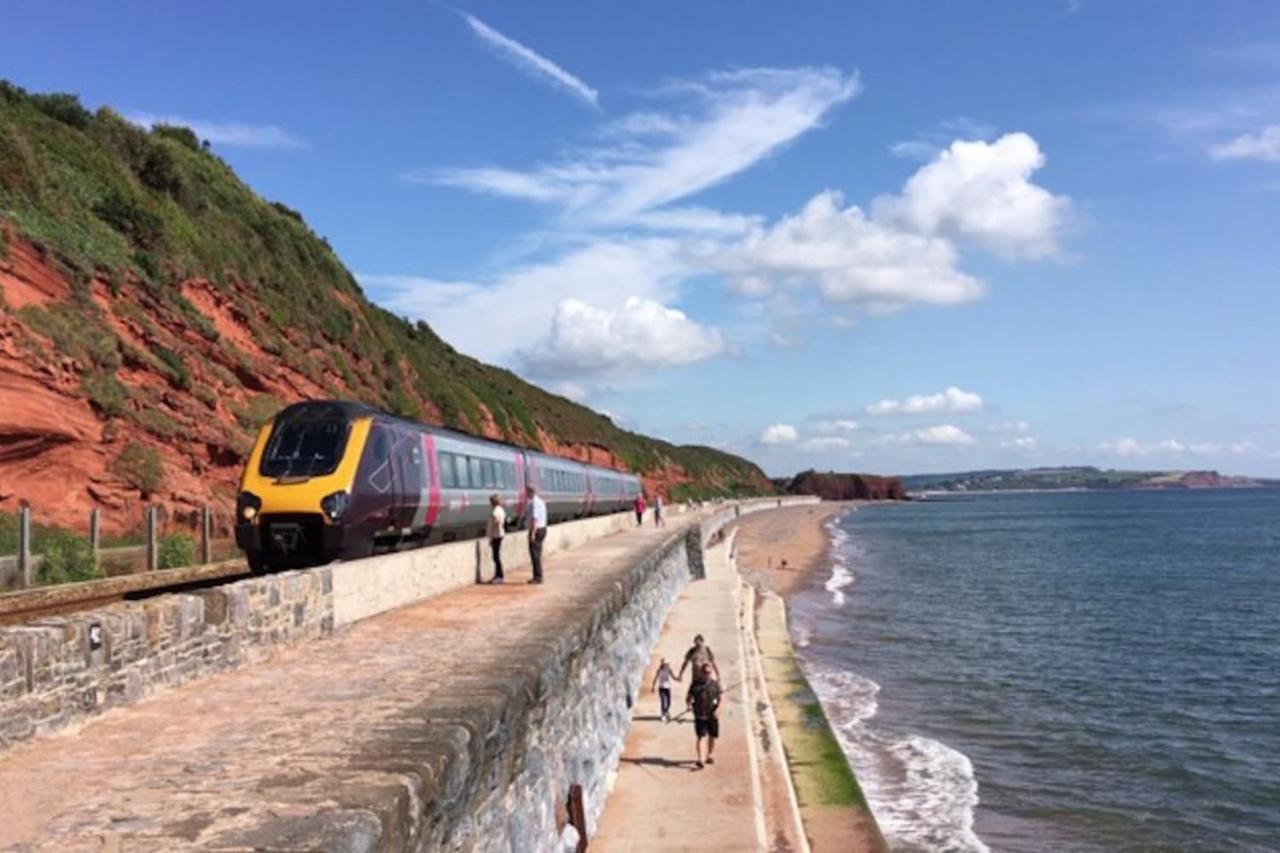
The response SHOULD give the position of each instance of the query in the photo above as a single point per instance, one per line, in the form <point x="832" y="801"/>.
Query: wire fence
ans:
<point x="41" y="556"/>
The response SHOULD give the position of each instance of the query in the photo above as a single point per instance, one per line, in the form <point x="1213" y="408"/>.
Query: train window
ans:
<point x="307" y="441"/>
<point x="477" y="479"/>
<point x="486" y="467"/>
<point x="447" y="480"/>
<point x="460" y="468"/>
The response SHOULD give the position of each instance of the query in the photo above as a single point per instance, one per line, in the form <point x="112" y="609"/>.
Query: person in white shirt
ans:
<point x="662" y="683"/>
<point x="497" y="529"/>
<point x="537" y="531"/>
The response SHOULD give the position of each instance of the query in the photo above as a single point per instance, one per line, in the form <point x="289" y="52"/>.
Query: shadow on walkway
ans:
<point x="658" y="761"/>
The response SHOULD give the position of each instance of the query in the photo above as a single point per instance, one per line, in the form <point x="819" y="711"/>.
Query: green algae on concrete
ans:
<point x="820" y="771"/>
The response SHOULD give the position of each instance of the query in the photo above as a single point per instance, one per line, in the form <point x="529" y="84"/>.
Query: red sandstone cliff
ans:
<point x="842" y="487"/>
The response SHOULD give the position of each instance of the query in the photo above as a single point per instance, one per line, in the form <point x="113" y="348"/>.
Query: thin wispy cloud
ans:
<point x="718" y="127"/>
<point x="529" y="60"/>
<point x="231" y="133"/>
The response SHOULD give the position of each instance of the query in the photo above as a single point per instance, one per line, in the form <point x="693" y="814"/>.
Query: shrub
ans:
<point x="105" y="393"/>
<point x="130" y="217"/>
<point x="159" y="171"/>
<point x="64" y="107"/>
<point x="140" y="467"/>
<point x="176" y="549"/>
<point x="67" y="558"/>
<point x="174" y="366"/>
<point x="4" y="242"/>
<point x="182" y="135"/>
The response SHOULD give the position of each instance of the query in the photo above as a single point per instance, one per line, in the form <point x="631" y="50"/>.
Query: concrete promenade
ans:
<point x="340" y="739"/>
<point x="661" y="801"/>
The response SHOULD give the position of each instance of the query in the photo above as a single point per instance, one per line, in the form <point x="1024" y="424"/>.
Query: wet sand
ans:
<point x="832" y="808"/>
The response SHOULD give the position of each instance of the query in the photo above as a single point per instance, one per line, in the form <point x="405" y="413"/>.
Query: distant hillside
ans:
<point x="843" y="487"/>
<point x="154" y="311"/>
<point x="1057" y="479"/>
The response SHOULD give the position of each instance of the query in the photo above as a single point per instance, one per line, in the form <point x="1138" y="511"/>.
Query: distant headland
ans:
<point x="1076" y="477"/>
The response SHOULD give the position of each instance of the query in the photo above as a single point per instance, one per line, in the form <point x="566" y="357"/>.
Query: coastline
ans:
<point x="776" y="555"/>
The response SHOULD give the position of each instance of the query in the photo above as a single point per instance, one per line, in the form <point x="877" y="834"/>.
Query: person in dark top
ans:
<point x="704" y="701"/>
<point x="699" y="653"/>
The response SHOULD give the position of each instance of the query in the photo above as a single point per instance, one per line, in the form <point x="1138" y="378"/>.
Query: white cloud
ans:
<point x="942" y="435"/>
<point x="498" y="318"/>
<point x="591" y="342"/>
<point x="1022" y="442"/>
<point x="779" y="434"/>
<point x="1131" y="447"/>
<point x="850" y="257"/>
<point x="827" y="443"/>
<point x="982" y="191"/>
<point x="730" y="121"/>
<point x="531" y="61"/>
<point x="835" y="425"/>
<point x="230" y="133"/>
<point x="1010" y="426"/>
<point x="1263" y="145"/>
<point x="950" y="400"/>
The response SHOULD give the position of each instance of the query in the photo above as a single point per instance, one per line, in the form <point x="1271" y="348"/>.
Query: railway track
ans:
<point x="26" y="606"/>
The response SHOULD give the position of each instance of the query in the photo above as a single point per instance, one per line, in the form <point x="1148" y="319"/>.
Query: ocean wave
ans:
<point x="841" y="575"/>
<point x="923" y="793"/>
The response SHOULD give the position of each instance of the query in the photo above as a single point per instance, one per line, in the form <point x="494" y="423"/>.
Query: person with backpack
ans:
<point x="704" y="701"/>
<point x="640" y="507"/>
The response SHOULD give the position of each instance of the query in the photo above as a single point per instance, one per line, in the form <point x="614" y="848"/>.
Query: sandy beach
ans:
<point x="777" y="552"/>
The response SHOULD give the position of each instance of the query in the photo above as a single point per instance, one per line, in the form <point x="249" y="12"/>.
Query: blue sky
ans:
<point x="896" y="237"/>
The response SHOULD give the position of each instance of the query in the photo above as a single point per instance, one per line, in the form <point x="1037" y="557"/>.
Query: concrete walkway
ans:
<point x="315" y="731"/>
<point x="661" y="801"/>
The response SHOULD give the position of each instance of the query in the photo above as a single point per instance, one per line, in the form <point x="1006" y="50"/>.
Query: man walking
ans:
<point x="537" y="531"/>
<point x="639" y="506"/>
<point x="704" y="701"/>
<point x="497" y="529"/>
<point x="701" y="658"/>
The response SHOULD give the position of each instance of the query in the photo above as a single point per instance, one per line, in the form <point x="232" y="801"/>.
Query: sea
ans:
<point x="1071" y="671"/>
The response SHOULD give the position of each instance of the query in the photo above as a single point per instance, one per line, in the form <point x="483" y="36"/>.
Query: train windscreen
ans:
<point x="308" y="442"/>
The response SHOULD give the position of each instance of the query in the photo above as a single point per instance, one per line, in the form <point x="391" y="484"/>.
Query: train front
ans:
<point x="296" y="489"/>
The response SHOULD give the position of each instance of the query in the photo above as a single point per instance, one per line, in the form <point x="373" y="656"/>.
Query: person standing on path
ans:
<point x="537" y="531"/>
<point x="701" y="658"/>
<point x="639" y="510"/>
<point x="704" y="701"/>
<point x="497" y="529"/>
<point x="658" y="520"/>
<point x="662" y="682"/>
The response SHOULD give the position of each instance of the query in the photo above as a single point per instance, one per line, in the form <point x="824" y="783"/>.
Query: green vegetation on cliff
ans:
<point x="104" y="199"/>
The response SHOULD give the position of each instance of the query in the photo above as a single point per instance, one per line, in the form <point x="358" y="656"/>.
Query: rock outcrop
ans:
<point x="844" y="487"/>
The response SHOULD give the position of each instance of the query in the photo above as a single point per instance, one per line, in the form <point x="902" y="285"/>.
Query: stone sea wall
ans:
<point x="63" y="669"/>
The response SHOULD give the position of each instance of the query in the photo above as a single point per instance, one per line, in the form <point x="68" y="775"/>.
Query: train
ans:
<point x="338" y="480"/>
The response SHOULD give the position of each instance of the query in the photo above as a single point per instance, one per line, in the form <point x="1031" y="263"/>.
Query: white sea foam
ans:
<point x="922" y="792"/>
<point x="841" y="575"/>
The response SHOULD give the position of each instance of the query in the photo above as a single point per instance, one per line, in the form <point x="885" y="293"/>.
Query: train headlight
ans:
<point x="247" y="506"/>
<point x="335" y="505"/>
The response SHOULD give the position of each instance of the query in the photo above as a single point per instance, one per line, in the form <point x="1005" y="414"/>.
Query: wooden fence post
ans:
<point x="206" y="535"/>
<point x="95" y="533"/>
<point x="24" y="546"/>
<point x="153" y="550"/>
